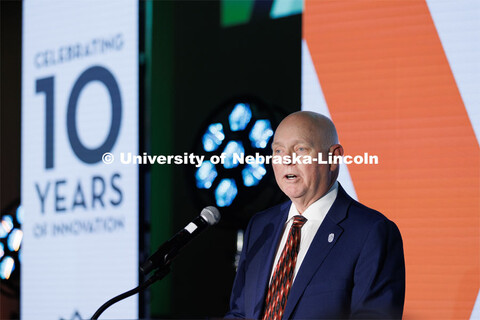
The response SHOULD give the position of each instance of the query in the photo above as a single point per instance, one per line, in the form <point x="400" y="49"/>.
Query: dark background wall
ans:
<point x="11" y="24"/>
<point x="209" y="66"/>
<point x="190" y="65"/>
<point x="10" y="84"/>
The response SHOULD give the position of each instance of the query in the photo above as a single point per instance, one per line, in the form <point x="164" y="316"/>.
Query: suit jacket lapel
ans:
<point x="319" y="249"/>
<point x="268" y="251"/>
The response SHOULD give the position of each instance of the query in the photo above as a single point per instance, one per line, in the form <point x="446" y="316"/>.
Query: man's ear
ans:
<point x="336" y="150"/>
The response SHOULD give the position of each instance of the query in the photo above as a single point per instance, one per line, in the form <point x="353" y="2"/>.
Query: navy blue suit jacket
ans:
<point x="360" y="274"/>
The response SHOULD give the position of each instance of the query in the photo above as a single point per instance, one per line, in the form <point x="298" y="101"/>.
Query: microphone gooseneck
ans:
<point x="169" y="250"/>
<point x="161" y="259"/>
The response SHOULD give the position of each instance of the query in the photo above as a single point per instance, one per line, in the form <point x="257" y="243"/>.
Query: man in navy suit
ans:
<point x="350" y="261"/>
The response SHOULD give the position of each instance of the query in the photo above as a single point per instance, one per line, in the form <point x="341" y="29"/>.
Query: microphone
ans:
<point x="167" y="251"/>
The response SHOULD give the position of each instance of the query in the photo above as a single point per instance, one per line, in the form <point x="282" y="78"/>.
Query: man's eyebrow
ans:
<point x="296" y="142"/>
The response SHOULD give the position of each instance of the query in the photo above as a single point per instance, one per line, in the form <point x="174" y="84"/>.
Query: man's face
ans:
<point x="302" y="183"/>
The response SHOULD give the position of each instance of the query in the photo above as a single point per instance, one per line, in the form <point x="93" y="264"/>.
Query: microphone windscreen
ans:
<point x="211" y="215"/>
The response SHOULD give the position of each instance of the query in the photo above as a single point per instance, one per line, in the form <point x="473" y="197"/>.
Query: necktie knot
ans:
<point x="299" y="221"/>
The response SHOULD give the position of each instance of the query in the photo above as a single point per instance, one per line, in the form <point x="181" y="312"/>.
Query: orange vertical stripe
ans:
<point x="390" y="91"/>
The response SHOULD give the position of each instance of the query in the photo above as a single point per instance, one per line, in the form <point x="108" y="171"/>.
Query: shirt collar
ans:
<point x="317" y="210"/>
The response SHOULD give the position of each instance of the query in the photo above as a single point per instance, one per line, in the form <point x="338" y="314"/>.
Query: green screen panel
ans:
<point x="234" y="12"/>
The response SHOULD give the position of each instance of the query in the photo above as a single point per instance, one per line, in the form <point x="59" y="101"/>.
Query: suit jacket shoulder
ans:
<point x="353" y="268"/>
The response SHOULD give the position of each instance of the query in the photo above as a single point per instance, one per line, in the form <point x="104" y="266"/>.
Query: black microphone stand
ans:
<point x="159" y="274"/>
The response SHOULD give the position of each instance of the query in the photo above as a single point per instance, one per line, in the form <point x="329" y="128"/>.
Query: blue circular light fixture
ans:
<point x="213" y="138"/>
<point x="6" y="225"/>
<point x="15" y="239"/>
<point x="253" y="173"/>
<point x="226" y="192"/>
<point x="261" y="133"/>
<point x="236" y="130"/>
<point x="240" y="116"/>
<point x="11" y="237"/>
<point x="205" y="175"/>
<point x="7" y="265"/>
<point x="233" y="148"/>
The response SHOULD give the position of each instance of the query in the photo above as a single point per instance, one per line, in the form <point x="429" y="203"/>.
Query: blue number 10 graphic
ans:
<point x="85" y="154"/>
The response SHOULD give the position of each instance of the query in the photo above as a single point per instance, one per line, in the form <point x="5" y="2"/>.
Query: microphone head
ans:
<point x="211" y="215"/>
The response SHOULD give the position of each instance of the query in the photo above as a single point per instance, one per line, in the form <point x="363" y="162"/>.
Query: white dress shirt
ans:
<point x="315" y="214"/>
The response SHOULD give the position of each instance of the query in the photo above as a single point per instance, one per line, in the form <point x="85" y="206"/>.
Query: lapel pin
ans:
<point x="330" y="237"/>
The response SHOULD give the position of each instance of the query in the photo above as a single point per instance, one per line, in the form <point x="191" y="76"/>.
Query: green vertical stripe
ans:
<point x="159" y="105"/>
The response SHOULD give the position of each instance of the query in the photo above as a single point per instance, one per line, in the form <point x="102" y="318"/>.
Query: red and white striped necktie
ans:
<point x="283" y="276"/>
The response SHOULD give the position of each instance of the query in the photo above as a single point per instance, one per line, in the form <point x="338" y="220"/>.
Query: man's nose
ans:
<point x="289" y="160"/>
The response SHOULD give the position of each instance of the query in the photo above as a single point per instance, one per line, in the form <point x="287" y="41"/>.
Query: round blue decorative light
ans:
<point x="240" y="129"/>
<point x="226" y="192"/>
<point x="253" y="173"/>
<point x="6" y="267"/>
<point x="20" y="214"/>
<point x="15" y="239"/>
<point x="6" y="225"/>
<point x="213" y="137"/>
<point x="10" y="246"/>
<point x="205" y="175"/>
<point x="240" y="116"/>
<point x="261" y="133"/>
<point x="233" y="147"/>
